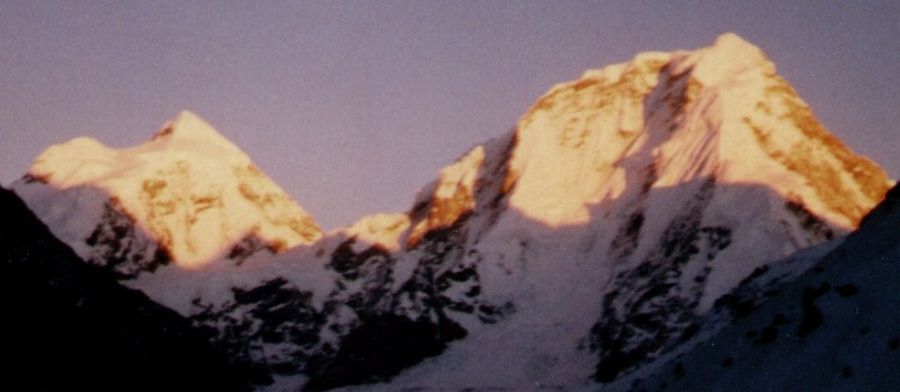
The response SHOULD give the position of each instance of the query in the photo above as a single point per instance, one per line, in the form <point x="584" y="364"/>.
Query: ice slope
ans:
<point x="187" y="195"/>
<point x="833" y="329"/>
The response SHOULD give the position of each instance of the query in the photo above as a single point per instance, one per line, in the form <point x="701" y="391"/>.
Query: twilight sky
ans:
<point x="352" y="106"/>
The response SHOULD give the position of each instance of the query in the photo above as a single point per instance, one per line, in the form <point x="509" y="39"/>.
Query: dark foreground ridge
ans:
<point x="70" y="326"/>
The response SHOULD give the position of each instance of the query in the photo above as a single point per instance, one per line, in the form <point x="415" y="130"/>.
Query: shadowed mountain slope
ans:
<point x="835" y="328"/>
<point x="69" y="325"/>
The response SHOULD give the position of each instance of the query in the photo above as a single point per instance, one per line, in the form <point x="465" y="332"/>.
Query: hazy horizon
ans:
<point x="351" y="108"/>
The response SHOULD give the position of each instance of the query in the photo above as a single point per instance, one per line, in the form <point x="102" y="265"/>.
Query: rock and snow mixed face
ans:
<point x="834" y="328"/>
<point x="187" y="196"/>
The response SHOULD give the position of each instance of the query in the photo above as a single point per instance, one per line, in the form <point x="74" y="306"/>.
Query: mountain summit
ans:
<point x="664" y="119"/>
<point x="188" y="129"/>
<point x="187" y="195"/>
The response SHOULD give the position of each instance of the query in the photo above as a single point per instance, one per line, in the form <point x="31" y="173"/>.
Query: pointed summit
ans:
<point x="188" y="196"/>
<point x="731" y="39"/>
<point x="191" y="130"/>
<point x="188" y="125"/>
<point x="730" y="48"/>
<point x="727" y="58"/>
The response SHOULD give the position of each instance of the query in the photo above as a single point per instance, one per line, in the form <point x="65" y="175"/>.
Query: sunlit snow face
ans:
<point x="719" y="112"/>
<point x="188" y="189"/>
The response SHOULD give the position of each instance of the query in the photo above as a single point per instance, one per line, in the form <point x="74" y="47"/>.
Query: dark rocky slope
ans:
<point x="71" y="326"/>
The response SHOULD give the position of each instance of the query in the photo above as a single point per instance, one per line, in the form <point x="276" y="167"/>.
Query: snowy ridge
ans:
<point x="187" y="195"/>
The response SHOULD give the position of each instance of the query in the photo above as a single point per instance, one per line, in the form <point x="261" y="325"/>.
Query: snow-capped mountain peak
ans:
<point x="647" y="189"/>
<point x="727" y="58"/>
<point x="188" y="195"/>
<point x="666" y="119"/>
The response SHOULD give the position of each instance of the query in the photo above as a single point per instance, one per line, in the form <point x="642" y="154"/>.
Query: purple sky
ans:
<point x="352" y="106"/>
